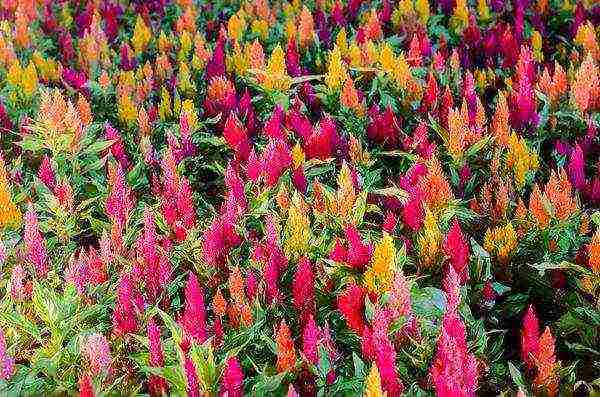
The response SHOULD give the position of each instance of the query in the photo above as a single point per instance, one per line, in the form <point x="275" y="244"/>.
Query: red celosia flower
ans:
<point x="389" y="223"/>
<point x="156" y="384"/>
<point x="85" y="386"/>
<point x="193" y="319"/>
<point x="233" y="378"/>
<point x="286" y="353"/>
<point x="530" y="334"/>
<point x="35" y="245"/>
<point x="276" y="159"/>
<point x="303" y="290"/>
<point x="384" y="128"/>
<point x="457" y="249"/>
<point x="236" y="136"/>
<point x="323" y="141"/>
<point x="273" y="126"/>
<point x="310" y="340"/>
<point x="352" y="305"/>
<point x="117" y="149"/>
<point x="192" y="386"/>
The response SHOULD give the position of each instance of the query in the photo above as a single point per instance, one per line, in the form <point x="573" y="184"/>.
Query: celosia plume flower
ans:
<point x="193" y="318"/>
<point x="35" y="244"/>
<point x="97" y="352"/>
<point x="158" y="385"/>
<point x="233" y="378"/>
<point x="286" y="353"/>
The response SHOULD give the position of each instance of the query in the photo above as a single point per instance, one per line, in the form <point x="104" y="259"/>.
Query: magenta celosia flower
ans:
<point x="359" y="253"/>
<point x="303" y="290"/>
<point x="77" y="273"/>
<point x="253" y="167"/>
<point x="530" y="335"/>
<point x="46" y="173"/>
<point x="246" y="112"/>
<point x="299" y="123"/>
<point x="338" y="252"/>
<point x="412" y="212"/>
<point x="352" y="306"/>
<point x="193" y="318"/>
<point x="524" y="105"/>
<point x="119" y="202"/>
<point x="457" y="249"/>
<point x="191" y="377"/>
<point x="454" y="371"/>
<point x="251" y="286"/>
<point x="218" y="239"/>
<point x="310" y="341"/>
<point x="16" y="284"/>
<point x="276" y="159"/>
<point x="273" y="126"/>
<point x="85" y="386"/>
<point x="216" y="66"/>
<point x="7" y="363"/>
<point x="117" y="149"/>
<point x="156" y="384"/>
<point x="233" y="378"/>
<point x="576" y="168"/>
<point x="235" y="189"/>
<point x="390" y="222"/>
<point x="124" y="315"/>
<point x="385" y="354"/>
<point x="323" y="141"/>
<point x="292" y="58"/>
<point x="97" y="353"/>
<point x="271" y="273"/>
<point x="35" y="245"/>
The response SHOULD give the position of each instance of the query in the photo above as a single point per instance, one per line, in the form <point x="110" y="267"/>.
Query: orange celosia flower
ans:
<point x="538" y="208"/>
<point x="345" y="195"/>
<point x="559" y="81"/>
<point x="219" y="304"/>
<point x="500" y="122"/>
<point x="546" y="379"/>
<point x="349" y="97"/>
<point x="458" y="132"/>
<point x="435" y="186"/>
<point x="594" y="253"/>
<point x="306" y="28"/>
<point x="255" y="55"/>
<point x="379" y="276"/>
<point x="559" y="192"/>
<point x="286" y="353"/>
<point x="10" y="215"/>
<point x="373" y="28"/>
<point x="586" y="87"/>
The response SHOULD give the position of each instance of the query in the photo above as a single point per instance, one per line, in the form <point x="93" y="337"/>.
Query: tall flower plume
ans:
<point x="286" y="353"/>
<point x="303" y="289"/>
<point x="97" y="352"/>
<point x="233" y="378"/>
<point x="193" y="318"/>
<point x="34" y="241"/>
<point x="9" y="213"/>
<point x="530" y="334"/>
<point x="351" y="304"/>
<point x="546" y="378"/>
<point x="157" y="385"/>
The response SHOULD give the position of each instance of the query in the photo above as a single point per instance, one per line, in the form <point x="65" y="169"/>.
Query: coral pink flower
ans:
<point x="233" y="378"/>
<point x="352" y="305"/>
<point x="193" y="319"/>
<point x="97" y="352"/>
<point x="457" y="249"/>
<point x="530" y="334"/>
<point x="36" y="247"/>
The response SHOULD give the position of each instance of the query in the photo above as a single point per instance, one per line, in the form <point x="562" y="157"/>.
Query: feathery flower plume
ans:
<point x="380" y="274"/>
<point x="373" y="383"/>
<point x="193" y="318"/>
<point x="124" y="315"/>
<point x="286" y="353"/>
<point x="576" y="168"/>
<point x="456" y="248"/>
<point x="530" y="334"/>
<point x="36" y="246"/>
<point x="358" y="253"/>
<point x="9" y="213"/>
<point x="594" y="252"/>
<point x="46" y="173"/>
<point x="7" y="363"/>
<point x="351" y="304"/>
<point x="311" y="337"/>
<point x="156" y="384"/>
<point x="97" y="352"/>
<point x="191" y="377"/>
<point x="303" y="289"/>
<point x="546" y="378"/>
<point x="233" y="378"/>
<point x="384" y="353"/>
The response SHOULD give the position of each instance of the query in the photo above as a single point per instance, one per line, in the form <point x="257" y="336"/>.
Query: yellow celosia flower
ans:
<point x="141" y="35"/>
<point x="297" y="156"/>
<point x="422" y="8"/>
<point x="536" y="44"/>
<point x="341" y="41"/>
<point x="297" y="230"/>
<point x="520" y="159"/>
<point x="501" y="242"/>
<point x="184" y="80"/>
<point x="185" y="46"/>
<point x="355" y="55"/>
<point x="164" y="43"/>
<point x="275" y="75"/>
<point x="13" y="77"/>
<point x="126" y="110"/>
<point x="483" y="10"/>
<point x="10" y="216"/>
<point x="380" y="275"/>
<point x="430" y="239"/>
<point x="261" y="27"/>
<point x="346" y="195"/>
<point x="460" y="18"/>
<point x="236" y="26"/>
<point x="164" y="107"/>
<point x="336" y="71"/>
<point x="373" y="383"/>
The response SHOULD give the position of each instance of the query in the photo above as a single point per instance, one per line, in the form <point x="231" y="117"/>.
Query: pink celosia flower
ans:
<point x="276" y="159"/>
<point x="36" y="247"/>
<point x="117" y="149"/>
<point x="191" y="377"/>
<point x="352" y="305"/>
<point x="253" y="167"/>
<point x="233" y="378"/>
<point x="384" y="353"/>
<point x="77" y="273"/>
<point x="338" y="252"/>
<point x="276" y="262"/>
<point x="124" y="315"/>
<point x="576" y="168"/>
<point x="530" y="335"/>
<point x="193" y="319"/>
<point x="310" y="340"/>
<point x="273" y="126"/>
<point x="16" y="283"/>
<point x="97" y="353"/>
<point x="156" y="384"/>
<point x="359" y="253"/>
<point x="7" y="363"/>
<point x="457" y="249"/>
<point x="454" y="371"/>
<point x="119" y="202"/>
<point x="46" y="173"/>
<point x="236" y="136"/>
<point x="323" y="141"/>
<point x="389" y="223"/>
<point x="292" y="58"/>
<point x="251" y="286"/>
<point x="303" y="290"/>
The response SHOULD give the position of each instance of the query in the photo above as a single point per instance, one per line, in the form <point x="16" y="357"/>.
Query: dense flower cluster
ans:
<point x="273" y="197"/>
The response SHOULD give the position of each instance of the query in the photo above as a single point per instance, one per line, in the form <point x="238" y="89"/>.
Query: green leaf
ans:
<point x="516" y="376"/>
